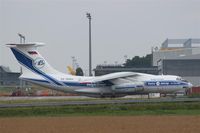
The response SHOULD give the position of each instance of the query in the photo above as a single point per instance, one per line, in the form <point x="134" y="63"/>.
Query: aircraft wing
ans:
<point x="119" y="78"/>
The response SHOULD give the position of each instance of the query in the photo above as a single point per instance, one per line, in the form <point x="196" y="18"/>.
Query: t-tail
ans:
<point x="35" y="67"/>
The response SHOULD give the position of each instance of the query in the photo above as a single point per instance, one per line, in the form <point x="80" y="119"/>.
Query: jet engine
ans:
<point x="128" y="87"/>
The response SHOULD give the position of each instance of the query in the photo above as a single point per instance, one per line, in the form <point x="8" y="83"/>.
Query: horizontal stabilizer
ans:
<point x="36" y="44"/>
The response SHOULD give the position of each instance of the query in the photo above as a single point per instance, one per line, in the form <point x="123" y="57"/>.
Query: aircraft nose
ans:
<point x="190" y="85"/>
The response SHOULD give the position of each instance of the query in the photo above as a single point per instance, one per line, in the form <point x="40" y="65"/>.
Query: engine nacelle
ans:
<point x="128" y="87"/>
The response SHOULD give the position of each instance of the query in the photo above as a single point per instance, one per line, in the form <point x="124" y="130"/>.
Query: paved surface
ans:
<point x="11" y="98"/>
<point x="93" y="102"/>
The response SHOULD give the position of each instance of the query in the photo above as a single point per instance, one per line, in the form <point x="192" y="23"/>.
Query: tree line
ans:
<point x="145" y="61"/>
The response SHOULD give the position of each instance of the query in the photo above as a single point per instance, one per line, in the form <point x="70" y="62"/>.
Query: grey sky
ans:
<point x="119" y="27"/>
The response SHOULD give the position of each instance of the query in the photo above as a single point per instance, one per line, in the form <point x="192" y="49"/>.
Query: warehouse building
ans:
<point x="189" y="69"/>
<point x="8" y="78"/>
<point x="179" y="57"/>
<point x="177" y="49"/>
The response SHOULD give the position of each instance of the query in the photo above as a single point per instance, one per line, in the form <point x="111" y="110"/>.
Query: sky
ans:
<point x="119" y="28"/>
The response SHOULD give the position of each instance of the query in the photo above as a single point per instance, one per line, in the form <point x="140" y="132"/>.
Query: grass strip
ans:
<point x="178" y="108"/>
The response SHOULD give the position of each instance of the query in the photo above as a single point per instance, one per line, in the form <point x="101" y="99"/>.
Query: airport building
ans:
<point x="177" y="49"/>
<point x="179" y="57"/>
<point x="8" y="78"/>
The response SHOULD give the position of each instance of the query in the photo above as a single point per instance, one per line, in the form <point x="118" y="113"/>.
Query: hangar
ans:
<point x="179" y="57"/>
<point x="8" y="78"/>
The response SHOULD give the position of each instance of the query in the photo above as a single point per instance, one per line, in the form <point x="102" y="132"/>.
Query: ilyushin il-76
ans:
<point x="38" y="71"/>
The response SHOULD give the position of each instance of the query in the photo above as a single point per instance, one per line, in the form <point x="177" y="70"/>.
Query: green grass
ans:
<point x="197" y="95"/>
<point x="179" y="108"/>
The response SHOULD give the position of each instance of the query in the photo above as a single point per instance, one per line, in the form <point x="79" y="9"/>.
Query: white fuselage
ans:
<point x="143" y="85"/>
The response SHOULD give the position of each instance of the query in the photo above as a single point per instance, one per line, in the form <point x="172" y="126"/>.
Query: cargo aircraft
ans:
<point x="38" y="71"/>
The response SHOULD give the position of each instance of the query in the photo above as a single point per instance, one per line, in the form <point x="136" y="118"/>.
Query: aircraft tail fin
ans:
<point x="31" y="60"/>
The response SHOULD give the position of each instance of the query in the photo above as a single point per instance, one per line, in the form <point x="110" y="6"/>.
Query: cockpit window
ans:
<point x="181" y="79"/>
<point x="184" y="80"/>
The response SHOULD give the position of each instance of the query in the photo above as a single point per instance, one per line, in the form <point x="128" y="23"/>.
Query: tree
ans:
<point x="79" y="72"/>
<point x="137" y="61"/>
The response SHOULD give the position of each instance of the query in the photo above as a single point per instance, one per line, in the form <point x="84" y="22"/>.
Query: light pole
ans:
<point x="90" y="47"/>
<point x="21" y="37"/>
<point x="73" y="62"/>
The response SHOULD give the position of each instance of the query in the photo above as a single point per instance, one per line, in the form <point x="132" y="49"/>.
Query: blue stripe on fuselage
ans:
<point x="26" y="61"/>
<point x="164" y="83"/>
